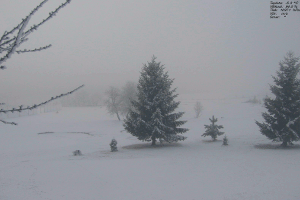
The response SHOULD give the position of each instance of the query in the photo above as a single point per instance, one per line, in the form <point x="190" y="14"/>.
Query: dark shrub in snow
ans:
<point x="113" y="145"/>
<point x="77" y="153"/>
<point x="225" y="140"/>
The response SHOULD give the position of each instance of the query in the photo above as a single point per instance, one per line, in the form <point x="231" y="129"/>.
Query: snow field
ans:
<point x="42" y="167"/>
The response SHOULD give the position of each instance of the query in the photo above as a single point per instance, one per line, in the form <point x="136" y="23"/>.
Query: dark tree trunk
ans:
<point x="214" y="138"/>
<point x="153" y="141"/>
<point x="284" y="143"/>
<point x="118" y="116"/>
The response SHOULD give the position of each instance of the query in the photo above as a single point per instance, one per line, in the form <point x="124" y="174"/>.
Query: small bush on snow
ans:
<point x="113" y="145"/>
<point x="225" y="140"/>
<point x="77" y="153"/>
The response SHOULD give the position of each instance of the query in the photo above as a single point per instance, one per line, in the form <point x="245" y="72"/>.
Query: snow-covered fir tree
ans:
<point x="152" y="116"/>
<point x="113" y="145"/>
<point x="213" y="129"/>
<point x="225" y="140"/>
<point x="282" y="119"/>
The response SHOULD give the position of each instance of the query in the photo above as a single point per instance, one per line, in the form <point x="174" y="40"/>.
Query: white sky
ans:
<point x="226" y="46"/>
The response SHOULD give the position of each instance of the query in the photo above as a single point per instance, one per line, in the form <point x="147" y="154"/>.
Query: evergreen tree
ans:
<point x="113" y="145"/>
<point x="213" y="129"/>
<point x="282" y="119"/>
<point x="152" y="115"/>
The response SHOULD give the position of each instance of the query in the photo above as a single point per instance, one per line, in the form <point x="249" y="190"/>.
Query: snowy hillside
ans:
<point x="37" y="163"/>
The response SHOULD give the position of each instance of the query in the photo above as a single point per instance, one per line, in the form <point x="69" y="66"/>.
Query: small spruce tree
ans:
<point x="213" y="129"/>
<point x="152" y="116"/>
<point x="282" y="119"/>
<point x="113" y="145"/>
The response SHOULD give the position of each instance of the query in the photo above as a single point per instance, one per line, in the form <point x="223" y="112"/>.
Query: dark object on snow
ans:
<point x="213" y="129"/>
<point x="77" y="153"/>
<point x="225" y="141"/>
<point x="282" y="119"/>
<point x="113" y="145"/>
<point x="152" y="116"/>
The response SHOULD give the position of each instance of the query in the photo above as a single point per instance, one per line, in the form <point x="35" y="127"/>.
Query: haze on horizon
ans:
<point x="210" y="47"/>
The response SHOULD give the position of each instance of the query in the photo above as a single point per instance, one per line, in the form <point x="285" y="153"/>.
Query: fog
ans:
<point x="215" y="48"/>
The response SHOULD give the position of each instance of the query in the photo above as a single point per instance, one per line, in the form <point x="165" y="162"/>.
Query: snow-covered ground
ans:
<point x="37" y="165"/>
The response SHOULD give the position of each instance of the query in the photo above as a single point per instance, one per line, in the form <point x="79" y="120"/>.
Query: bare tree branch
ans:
<point x="12" y="123"/>
<point x="34" y="50"/>
<point x="20" y="109"/>
<point x="9" y="44"/>
<point x="37" y="105"/>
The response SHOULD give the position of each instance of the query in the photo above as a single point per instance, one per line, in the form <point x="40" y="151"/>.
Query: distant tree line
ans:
<point x="117" y="101"/>
<point x="82" y="98"/>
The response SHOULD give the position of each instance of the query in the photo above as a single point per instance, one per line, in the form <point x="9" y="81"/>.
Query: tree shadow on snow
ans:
<point x="149" y="146"/>
<point x="276" y="146"/>
<point x="87" y="133"/>
<point x="211" y="141"/>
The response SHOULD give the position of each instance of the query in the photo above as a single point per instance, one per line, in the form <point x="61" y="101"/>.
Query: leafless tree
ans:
<point x="113" y="101"/>
<point x="11" y="40"/>
<point x="198" y="108"/>
<point x="129" y="93"/>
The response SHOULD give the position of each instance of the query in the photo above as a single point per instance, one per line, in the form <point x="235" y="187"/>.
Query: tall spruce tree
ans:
<point x="282" y="119"/>
<point x="152" y="115"/>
